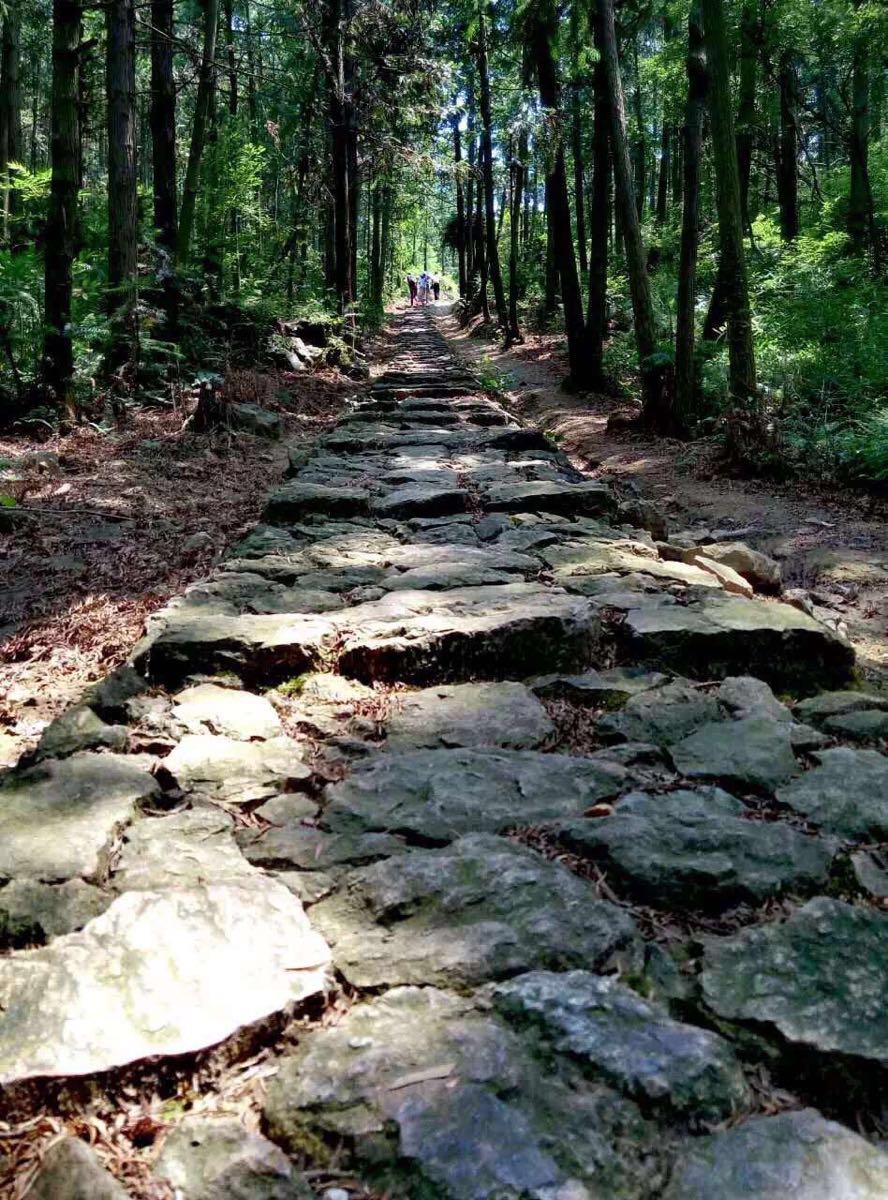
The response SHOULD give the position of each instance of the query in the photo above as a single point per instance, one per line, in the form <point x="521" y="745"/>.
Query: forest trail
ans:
<point x="829" y="540"/>
<point x="430" y="761"/>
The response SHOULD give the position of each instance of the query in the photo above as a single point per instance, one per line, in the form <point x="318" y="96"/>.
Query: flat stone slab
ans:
<point x="231" y="712"/>
<point x="753" y="752"/>
<point x="790" y="1156"/>
<point x="159" y="973"/>
<point x="719" y="635"/>
<point x="497" y="632"/>
<point x="820" y="980"/>
<point x="438" y="795"/>
<point x="543" y="495"/>
<point x="267" y="647"/>
<point x="295" y="500"/>
<point x="480" y="909"/>
<point x="661" y="715"/>
<point x="846" y="793"/>
<point x="71" y="1170"/>
<point x="182" y="849"/>
<point x="468" y="714"/>
<point x="427" y="1092"/>
<point x="32" y="912"/>
<point x="80" y="728"/>
<point x="239" y="772"/>
<point x="694" y="849"/>
<point x="58" y="820"/>
<point x="633" y="1045"/>
<point x="609" y="689"/>
<point x="420" y="500"/>
<point x="213" y="1158"/>
<point x="817" y="709"/>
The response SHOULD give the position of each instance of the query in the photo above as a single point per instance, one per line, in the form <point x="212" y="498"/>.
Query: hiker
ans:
<point x="436" y="286"/>
<point x="411" y="287"/>
<point x="424" y="284"/>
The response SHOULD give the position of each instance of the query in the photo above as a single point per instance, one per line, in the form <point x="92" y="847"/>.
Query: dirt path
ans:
<point x="833" y="544"/>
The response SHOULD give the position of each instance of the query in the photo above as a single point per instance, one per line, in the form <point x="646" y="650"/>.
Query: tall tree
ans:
<point x="62" y="223"/>
<point x="685" y="403"/>
<point x="861" y="215"/>
<point x="599" y="220"/>
<point x="123" y="258"/>
<point x="541" y="26"/>
<point x="788" y="149"/>
<point x="656" y="406"/>
<point x="492" y="261"/>
<point x="745" y="422"/>
<point x="460" y="204"/>
<point x="163" y="131"/>
<point x="10" y="105"/>
<point x="206" y="86"/>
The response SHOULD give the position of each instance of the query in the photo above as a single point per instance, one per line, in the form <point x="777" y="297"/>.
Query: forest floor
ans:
<point x="112" y="524"/>
<point x="831" y="542"/>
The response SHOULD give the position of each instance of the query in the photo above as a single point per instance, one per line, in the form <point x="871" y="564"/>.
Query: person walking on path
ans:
<point x="436" y="286"/>
<point x="411" y="287"/>
<point x="424" y="284"/>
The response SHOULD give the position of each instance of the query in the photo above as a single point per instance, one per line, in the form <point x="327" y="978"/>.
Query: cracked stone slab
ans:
<point x="479" y="909"/>
<point x="58" y="819"/>
<point x="789" y="1156"/>
<point x="819" y="980"/>
<point x="628" y="1042"/>
<point x="694" y="849"/>
<point x="208" y="708"/>
<point x="438" y="795"/>
<point x="846" y="793"/>
<point x="428" y="1092"/>
<point x="239" y="772"/>
<point x="467" y="714"/>
<point x="159" y="973"/>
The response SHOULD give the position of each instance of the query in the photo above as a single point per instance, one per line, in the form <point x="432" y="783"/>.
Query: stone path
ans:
<point x="609" y="909"/>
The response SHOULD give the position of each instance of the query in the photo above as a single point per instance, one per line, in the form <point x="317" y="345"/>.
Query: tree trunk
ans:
<point x="788" y="157"/>
<point x="205" y="87"/>
<point x="519" y="170"/>
<point x="123" y="258"/>
<point x="749" y="31"/>
<point x="541" y="35"/>
<point x="492" y="257"/>
<point x="686" y="388"/>
<point x="163" y="133"/>
<point x="655" y="398"/>
<point x="745" y="422"/>
<point x="10" y="123"/>
<point x="460" y="205"/>
<point x="663" y="176"/>
<point x="861" y="219"/>
<point x="231" y="58"/>
<point x="550" y="291"/>
<point x="640" y="148"/>
<point x="62" y="219"/>
<point x="600" y="220"/>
